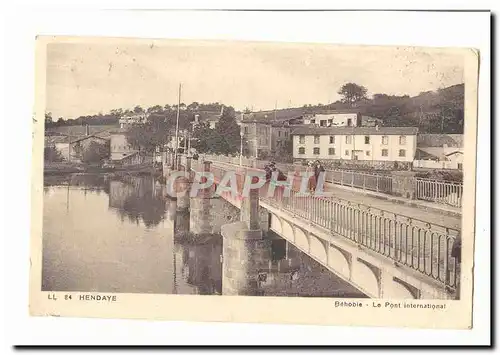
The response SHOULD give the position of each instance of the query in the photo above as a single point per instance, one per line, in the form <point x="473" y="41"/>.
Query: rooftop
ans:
<point x="312" y="129"/>
<point x="79" y="130"/>
<point x="438" y="140"/>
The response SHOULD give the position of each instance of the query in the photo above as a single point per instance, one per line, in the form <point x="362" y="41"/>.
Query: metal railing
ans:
<point x="444" y="192"/>
<point x="422" y="246"/>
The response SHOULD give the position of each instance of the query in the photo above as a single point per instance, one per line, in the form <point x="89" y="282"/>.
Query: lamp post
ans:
<point x="241" y="147"/>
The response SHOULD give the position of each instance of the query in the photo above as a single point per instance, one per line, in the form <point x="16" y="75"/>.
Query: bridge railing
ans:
<point x="441" y="192"/>
<point x="446" y="192"/>
<point x="422" y="246"/>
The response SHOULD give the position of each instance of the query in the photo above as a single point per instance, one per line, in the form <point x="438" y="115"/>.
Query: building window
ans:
<point x="367" y="139"/>
<point x="349" y="122"/>
<point x="316" y="139"/>
<point x="316" y="151"/>
<point x="385" y="152"/>
<point x="348" y="139"/>
<point x="331" y="151"/>
<point x="385" y="140"/>
<point x="346" y="153"/>
<point x="302" y="139"/>
<point x="402" y="140"/>
<point x="367" y="153"/>
<point x="246" y="130"/>
<point x="286" y="134"/>
<point x="302" y="150"/>
<point x="279" y="133"/>
<point x="332" y="139"/>
<point x="402" y="153"/>
<point x="313" y="121"/>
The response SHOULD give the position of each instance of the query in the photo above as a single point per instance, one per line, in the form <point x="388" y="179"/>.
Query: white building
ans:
<point x="384" y="144"/>
<point x="119" y="146"/>
<point x="335" y="118"/>
<point x="132" y="119"/>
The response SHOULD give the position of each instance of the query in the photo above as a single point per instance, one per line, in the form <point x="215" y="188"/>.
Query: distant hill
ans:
<point x="440" y="111"/>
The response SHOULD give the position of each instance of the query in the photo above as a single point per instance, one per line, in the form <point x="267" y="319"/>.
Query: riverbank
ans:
<point x="72" y="168"/>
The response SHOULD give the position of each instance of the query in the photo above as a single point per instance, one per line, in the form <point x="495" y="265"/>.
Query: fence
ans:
<point x="449" y="193"/>
<point x="432" y="164"/>
<point x="443" y="192"/>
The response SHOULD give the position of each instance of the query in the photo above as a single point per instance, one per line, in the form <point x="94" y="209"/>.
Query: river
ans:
<point x="103" y="233"/>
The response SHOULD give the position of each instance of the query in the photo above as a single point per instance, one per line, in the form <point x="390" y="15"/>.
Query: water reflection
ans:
<point x="132" y="239"/>
<point x="138" y="199"/>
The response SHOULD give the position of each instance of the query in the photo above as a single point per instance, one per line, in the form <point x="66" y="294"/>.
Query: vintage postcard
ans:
<point x="265" y="182"/>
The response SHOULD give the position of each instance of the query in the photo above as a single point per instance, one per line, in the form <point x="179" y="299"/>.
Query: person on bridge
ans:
<point x="318" y="169"/>
<point x="269" y="170"/>
<point x="311" y="183"/>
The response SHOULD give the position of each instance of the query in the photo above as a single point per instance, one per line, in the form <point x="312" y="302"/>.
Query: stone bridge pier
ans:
<point x="245" y="253"/>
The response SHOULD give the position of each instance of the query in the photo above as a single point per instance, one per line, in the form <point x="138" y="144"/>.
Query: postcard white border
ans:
<point x="70" y="25"/>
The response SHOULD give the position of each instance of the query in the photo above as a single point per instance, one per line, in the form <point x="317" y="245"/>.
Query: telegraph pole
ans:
<point x="177" y="128"/>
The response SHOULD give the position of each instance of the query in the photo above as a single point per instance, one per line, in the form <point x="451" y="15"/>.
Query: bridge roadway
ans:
<point x="381" y="252"/>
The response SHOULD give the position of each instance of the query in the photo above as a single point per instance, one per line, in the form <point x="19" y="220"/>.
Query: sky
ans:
<point x="89" y="76"/>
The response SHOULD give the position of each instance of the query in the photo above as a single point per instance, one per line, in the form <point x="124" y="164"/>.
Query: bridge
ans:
<point x="382" y="253"/>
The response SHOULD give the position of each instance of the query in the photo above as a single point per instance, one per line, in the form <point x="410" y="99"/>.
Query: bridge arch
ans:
<point x="399" y="289"/>
<point x="287" y="230"/>
<point x="317" y="248"/>
<point x="338" y="260"/>
<point x="301" y="238"/>
<point x="366" y="276"/>
<point x="276" y="223"/>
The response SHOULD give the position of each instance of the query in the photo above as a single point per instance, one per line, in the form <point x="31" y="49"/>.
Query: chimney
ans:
<point x="86" y="129"/>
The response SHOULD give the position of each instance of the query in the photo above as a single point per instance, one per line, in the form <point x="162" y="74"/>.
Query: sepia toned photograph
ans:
<point x="254" y="169"/>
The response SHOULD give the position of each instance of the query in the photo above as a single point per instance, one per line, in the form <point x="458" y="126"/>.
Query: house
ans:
<point x="119" y="146"/>
<point x="132" y="119"/>
<point x="439" y="151"/>
<point x="71" y="141"/>
<point x="339" y="118"/>
<point x="264" y="137"/>
<point x="368" y="121"/>
<point x="368" y="144"/>
<point x="80" y="145"/>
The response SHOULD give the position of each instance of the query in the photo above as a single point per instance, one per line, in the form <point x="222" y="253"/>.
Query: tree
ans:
<point x="95" y="152"/>
<point x="207" y="140"/>
<point x="138" y="110"/>
<point x="228" y="129"/>
<point x="51" y="154"/>
<point x="193" y="106"/>
<point x="148" y="136"/>
<point x="48" y="119"/>
<point x="155" y="109"/>
<point x="352" y="93"/>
